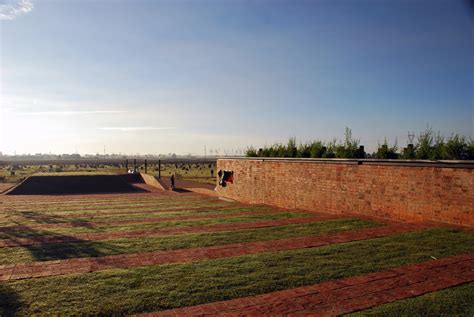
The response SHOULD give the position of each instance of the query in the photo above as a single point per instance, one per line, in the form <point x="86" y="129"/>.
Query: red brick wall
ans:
<point x="409" y="193"/>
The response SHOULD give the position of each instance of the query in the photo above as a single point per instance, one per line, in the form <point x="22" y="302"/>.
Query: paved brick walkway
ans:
<point x="106" y="223"/>
<point x="160" y="232"/>
<point x="82" y="265"/>
<point x="346" y="295"/>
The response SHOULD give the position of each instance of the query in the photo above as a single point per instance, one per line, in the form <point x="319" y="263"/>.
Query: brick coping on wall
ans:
<point x="469" y="164"/>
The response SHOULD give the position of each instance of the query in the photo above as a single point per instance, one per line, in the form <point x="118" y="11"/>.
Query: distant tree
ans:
<point x="291" y="149"/>
<point x="438" y="151"/>
<point x="317" y="149"/>
<point x="349" y="148"/>
<point x="425" y="144"/>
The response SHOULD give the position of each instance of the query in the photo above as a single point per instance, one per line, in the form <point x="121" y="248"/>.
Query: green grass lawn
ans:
<point x="134" y="245"/>
<point x="455" y="301"/>
<point x="125" y="291"/>
<point x="158" y="287"/>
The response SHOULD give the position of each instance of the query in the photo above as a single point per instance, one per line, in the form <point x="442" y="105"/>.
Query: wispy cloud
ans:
<point x="70" y="113"/>
<point x="11" y="9"/>
<point x="126" y="129"/>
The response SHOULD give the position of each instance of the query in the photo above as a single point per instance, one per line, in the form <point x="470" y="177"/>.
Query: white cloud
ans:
<point x="11" y="9"/>
<point x="70" y="113"/>
<point x="126" y="129"/>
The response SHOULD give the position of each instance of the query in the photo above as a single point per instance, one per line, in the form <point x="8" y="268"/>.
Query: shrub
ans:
<point x="457" y="148"/>
<point x="251" y="152"/>
<point x="385" y="151"/>
<point x="409" y="153"/>
<point x="330" y="151"/>
<point x="304" y="150"/>
<point x="470" y="150"/>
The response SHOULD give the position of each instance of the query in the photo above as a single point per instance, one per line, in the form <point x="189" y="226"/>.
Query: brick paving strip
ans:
<point x="160" y="232"/>
<point x="345" y="295"/>
<point x="83" y="265"/>
<point x="105" y="223"/>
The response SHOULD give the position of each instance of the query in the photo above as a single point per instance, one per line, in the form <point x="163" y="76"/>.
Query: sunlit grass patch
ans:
<point x="455" y="301"/>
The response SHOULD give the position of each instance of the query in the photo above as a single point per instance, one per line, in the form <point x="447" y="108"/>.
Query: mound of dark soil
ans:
<point x="73" y="184"/>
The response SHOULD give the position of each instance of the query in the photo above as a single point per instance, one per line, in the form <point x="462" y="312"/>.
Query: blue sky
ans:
<point x="175" y="76"/>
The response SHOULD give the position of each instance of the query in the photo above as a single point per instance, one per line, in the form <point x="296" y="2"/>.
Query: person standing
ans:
<point x="172" y="181"/>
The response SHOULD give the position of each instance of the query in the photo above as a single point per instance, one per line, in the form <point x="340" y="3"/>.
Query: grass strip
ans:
<point x="127" y="291"/>
<point x="112" y="211"/>
<point x="454" y="301"/>
<point x="119" y="206"/>
<point x="39" y="218"/>
<point x="102" y="197"/>
<point x="105" y="203"/>
<point x="63" y="201"/>
<point x="149" y="226"/>
<point x="186" y="241"/>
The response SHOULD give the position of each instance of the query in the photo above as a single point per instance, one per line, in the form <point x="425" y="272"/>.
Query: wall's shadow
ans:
<point x="9" y="301"/>
<point x="69" y="247"/>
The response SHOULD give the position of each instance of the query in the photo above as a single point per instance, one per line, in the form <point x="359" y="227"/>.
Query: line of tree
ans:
<point x="428" y="146"/>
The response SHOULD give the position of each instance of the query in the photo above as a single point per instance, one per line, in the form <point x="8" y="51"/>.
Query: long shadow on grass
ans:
<point x="9" y="302"/>
<point x="71" y="247"/>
